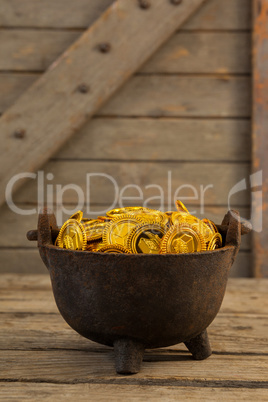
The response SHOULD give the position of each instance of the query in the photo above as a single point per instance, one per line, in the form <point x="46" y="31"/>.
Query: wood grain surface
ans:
<point x="203" y="70"/>
<point x="216" y="14"/>
<point x="43" y="357"/>
<point x="150" y="139"/>
<point x="104" y="183"/>
<point x="259" y="134"/>
<point x="81" y="80"/>
<point x="217" y="52"/>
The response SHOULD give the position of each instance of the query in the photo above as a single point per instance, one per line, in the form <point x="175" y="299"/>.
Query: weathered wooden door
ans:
<point x="184" y="117"/>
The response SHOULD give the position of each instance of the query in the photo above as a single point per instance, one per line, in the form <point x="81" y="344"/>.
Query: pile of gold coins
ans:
<point x="140" y="230"/>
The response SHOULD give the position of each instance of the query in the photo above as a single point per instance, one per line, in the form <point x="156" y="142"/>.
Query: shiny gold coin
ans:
<point x="211" y="225"/>
<point x="114" y="248"/>
<point x="94" y="230"/>
<point x="127" y="210"/>
<point x="169" y="213"/>
<point x="77" y="216"/>
<point x="182" y="239"/>
<point x="104" y="218"/>
<point x="94" y="246"/>
<point x="72" y="236"/>
<point x="116" y="231"/>
<point x="153" y="217"/>
<point x="204" y="229"/>
<point x="146" y="238"/>
<point x="215" y="242"/>
<point x="181" y="207"/>
<point x="183" y="217"/>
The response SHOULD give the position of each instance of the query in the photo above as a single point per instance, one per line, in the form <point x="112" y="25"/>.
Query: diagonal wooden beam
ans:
<point x="82" y="79"/>
<point x="259" y="136"/>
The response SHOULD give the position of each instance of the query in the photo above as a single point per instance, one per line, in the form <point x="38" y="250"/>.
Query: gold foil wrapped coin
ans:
<point x="72" y="236"/>
<point x="146" y="238"/>
<point x="127" y="210"/>
<point x="182" y="239"/>
<point x="204" y="229"/>
<point x="178" y="218"/>
<point x="181" y="207"/>
<point x="116" y="231"/>
<point x="215" y="242"/>
<point x="77" y="216"/>
<point x="114" y="248"/>
<point x="211" y="225"/>
<point x="94" y="246"/>
<point x="94" y="230"/>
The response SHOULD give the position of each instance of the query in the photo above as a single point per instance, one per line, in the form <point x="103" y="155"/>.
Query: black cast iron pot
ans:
<point x="138" y="301"/>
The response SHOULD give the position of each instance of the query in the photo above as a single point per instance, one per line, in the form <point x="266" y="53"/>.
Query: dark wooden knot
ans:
<point x="176" y="2"/>
<point x="83" y="88"/>
<point x="104" y="47"/>
<point x="20" y="134"/>
<point x="144" y="4"/>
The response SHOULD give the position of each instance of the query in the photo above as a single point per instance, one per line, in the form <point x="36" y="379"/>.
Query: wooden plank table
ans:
<point x="43" y="359"/>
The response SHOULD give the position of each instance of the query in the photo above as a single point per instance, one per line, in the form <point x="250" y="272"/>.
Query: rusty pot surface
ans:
<point x="138" y="301"/>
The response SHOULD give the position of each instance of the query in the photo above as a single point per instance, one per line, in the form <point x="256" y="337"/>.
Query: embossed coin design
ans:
<point x="146" y="238"/>
<point x="182" y="239"/>
<point x="116" y="231"/>
<point x="72" y="236"/>
<point x="94" y="230"/>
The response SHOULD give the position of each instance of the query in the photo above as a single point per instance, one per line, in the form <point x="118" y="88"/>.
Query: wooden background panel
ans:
<point x="156" y="95"/>
<point x="181" y="96"/>
<point x="32" y="50"/>
<point x="185" y="52"/>
<point x="160" y="140"/>
<point x="203" y="52"/>
<point x="51" y="13"/>
<point x="103" y="189"/>
<point x="216" y="14"/>
<point x="12" y="86"/>
<point x="215" y="40"/>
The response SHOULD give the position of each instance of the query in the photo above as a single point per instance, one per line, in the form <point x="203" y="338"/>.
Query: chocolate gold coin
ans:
<point x="127" y="210"/>
<point x="77" y="216"/>
<point x="94" y="230"/>
<point x="182" y="239"/>
<point x="204" y="229"/>
<point x="211" y="225"/>
<point x="94" y="246"/>
<point x="146" y="238"/>
<point x="178" y="218"/>
<point x="114" y="248"/>
<point x="181" y="207"/>
<point x="116" y="231"/>
<point x="72" y="236"/>
<point x="215" y="242"/>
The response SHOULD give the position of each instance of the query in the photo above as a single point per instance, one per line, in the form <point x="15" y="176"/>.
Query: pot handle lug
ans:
<point x="234" y="229"/>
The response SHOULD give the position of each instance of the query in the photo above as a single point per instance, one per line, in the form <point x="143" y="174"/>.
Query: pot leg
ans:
<point x="199" y="346"/>
<point x="128" y="356"/>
